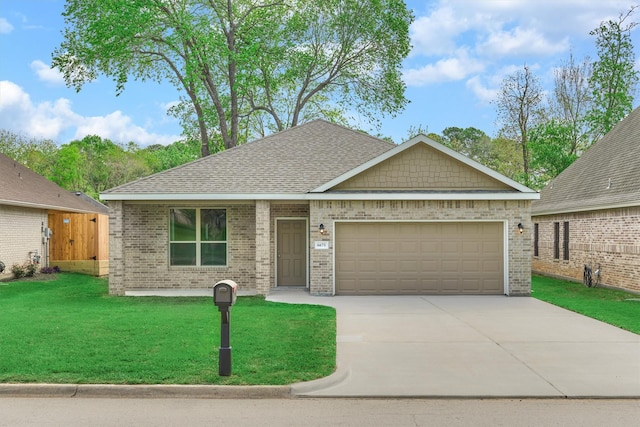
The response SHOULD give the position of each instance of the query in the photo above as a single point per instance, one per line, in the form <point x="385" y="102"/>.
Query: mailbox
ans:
<point x="224" y="293"/>
<point x="224" y="296"/>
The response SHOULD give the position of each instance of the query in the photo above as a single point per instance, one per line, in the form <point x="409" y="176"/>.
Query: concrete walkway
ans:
<point x="471" y="346"/>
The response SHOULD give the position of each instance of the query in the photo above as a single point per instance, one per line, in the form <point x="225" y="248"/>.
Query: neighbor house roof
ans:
<point x="607" y="175"/>
<point x="303" y="162"/>
<point x="20" y="186"/>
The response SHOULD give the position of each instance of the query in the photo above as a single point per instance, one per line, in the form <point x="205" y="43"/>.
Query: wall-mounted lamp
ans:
<point x="321" y="228"/>
<point x="520" y="228"/>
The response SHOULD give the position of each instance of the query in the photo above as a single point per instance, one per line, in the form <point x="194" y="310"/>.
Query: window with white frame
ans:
<point x="198" y="237"/>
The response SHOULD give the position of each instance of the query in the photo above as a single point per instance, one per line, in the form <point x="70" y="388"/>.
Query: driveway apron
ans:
<point x="471" y="346"/>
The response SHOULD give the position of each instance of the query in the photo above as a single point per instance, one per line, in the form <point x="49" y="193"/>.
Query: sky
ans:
<point x="461" y="52"/>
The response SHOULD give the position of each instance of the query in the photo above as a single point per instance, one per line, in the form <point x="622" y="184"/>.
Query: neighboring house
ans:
<point x="40" y="220"/>
<point x="590" y="213"/>
<point x="327" y="208"/>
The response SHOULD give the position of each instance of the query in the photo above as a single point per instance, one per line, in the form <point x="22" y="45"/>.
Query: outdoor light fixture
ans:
<point x="321" y="228"/>
<point x="520" y="227"/>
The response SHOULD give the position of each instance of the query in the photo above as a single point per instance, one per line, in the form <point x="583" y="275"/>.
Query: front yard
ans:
<point x="69" y="330"/>
<point x="618" y="308"/>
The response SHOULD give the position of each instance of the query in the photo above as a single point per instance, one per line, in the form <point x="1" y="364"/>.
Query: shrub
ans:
<point x="18" y="271"/>
<point x="24" y="270"/>
<point x="30" y="269"/>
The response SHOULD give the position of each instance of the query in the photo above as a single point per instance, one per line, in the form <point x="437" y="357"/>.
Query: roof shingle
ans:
<point x="294" y="161"/>
<point x="20" y="186"/>
<point x="607" y="174"/>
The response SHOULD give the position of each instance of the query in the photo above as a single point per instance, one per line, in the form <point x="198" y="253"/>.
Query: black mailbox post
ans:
<point x="224" y="296"/>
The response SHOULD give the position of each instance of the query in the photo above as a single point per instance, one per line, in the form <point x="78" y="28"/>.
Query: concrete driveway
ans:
<point x="471" y="346"/>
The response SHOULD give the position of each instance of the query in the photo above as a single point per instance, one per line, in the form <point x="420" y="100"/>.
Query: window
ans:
<point x="565" y="241"/>
<point x="198" y="237"/>
<point x="556" y="240"/>
<point x="536" y="231"/>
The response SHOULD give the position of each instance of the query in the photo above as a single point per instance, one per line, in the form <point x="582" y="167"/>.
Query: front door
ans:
<point x="292" y="252"/>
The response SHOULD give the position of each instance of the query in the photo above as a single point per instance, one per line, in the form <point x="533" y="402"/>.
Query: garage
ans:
<point x="391" y="258"/>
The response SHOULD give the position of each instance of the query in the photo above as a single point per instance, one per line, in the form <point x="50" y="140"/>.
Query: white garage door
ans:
<point x="391" y="258"/>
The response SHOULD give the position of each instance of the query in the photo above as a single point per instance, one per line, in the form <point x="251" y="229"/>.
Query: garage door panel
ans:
<point x="419" y="258"/>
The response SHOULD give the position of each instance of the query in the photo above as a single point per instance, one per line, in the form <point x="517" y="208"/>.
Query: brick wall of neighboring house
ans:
<point x="326" y="212"/>
<point x="609" y="238"/>
<point x="20" y="233"/>
<point x="139" y="248"/>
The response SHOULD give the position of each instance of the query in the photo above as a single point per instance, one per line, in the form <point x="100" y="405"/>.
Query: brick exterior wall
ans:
<point x="20" y="233"/>
<point x="139" y="249"/>
<point x="609" y="238"/>
<point x="139" y="240"/>
<point x="514" y="212"/>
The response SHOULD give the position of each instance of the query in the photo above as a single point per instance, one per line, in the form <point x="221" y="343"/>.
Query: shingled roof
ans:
<point x="294" y="161"/>
<point x="607" y="175"/>
<point x="20" y="186"/>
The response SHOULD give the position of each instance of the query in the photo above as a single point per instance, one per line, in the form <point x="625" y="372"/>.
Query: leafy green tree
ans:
<point x="69" y="169"/>
<point x="36" y="154"/>
<point x="244" y="66"/>
<point x="551" y="151"/>
<point x="471" y="142"/>
<point x="160" y="157"/>
<point x="614" y="79"/>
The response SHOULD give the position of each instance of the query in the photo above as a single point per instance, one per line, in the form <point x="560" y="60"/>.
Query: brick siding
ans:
<point x="609" y="238"/>
<point x="139" y="249"/>
<point x="326" y="212"/>
<point x="139" y="242"/>
<point x="20" y="233"/>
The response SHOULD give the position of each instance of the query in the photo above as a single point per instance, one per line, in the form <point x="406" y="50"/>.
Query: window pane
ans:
<point x="213" y="225"/>
<point x="214" y="253"/>
<point x="183" y="225"/>
<point x="183" y="254"/>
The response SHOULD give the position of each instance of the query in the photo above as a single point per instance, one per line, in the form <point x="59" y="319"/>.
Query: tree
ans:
<point x="570" y="104"/>
<point x="520" y="108"/>
<point x="613" y="82"/>
<point x="551" y="150"/>
<point x="244" y="66"/>
<point x="470" y="141"/>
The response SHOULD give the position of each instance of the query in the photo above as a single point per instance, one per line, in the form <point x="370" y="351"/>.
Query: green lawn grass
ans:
<point x="615" y="307"/>
<point x="69" y="330"/>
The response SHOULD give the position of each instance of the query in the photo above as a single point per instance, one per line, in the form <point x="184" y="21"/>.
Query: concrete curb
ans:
<point x="307" y="389"/>
<point x="145" y="391"/>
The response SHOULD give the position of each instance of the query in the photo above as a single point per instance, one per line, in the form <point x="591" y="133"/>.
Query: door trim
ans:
<point x="275" y="257"/>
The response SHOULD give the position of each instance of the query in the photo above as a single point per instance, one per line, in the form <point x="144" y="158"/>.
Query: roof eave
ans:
<point x="322" y="196"/>
<point x="44" y="206"/>
<point x="585" y="208"/>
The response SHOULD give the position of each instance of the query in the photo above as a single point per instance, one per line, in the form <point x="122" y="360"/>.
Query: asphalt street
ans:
<point x="309" y="412"/>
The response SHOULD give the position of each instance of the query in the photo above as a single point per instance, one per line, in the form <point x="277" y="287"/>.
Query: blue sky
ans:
<point x="462" y="49"/>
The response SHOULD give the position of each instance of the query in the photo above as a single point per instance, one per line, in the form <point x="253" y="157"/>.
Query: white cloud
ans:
<point x="447" y="69"/>
<point x="5" y="26"/>
<point x="119" y="128"/>
<point x="46" y="73"/>
<point x="49" y="120"/>
<point x="483" y="93"/>
<point x="521" y="42"/>
<point x="435" y="34"/>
